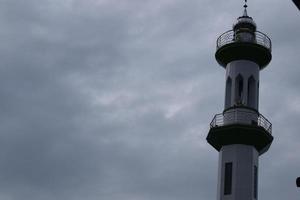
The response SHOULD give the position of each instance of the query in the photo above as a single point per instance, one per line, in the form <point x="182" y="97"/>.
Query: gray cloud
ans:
<point x="112" y="100"/>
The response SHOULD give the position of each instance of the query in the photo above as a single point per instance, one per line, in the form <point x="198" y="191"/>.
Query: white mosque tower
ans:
<point x="241" y="134"/>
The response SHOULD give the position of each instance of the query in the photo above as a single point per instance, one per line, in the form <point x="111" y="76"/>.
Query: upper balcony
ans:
<point x="229" y="37"/>
<point x="255" y="46"/>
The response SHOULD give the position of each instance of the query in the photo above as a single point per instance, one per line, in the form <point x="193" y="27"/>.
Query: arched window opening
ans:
<point x="251" y="92"/>
<point x="239" y="82"/>
<point x="257" y="96"/>
<point x="228" y="92"/>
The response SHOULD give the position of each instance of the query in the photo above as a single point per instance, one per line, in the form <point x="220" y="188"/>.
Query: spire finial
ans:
<point x="245" y="10"/>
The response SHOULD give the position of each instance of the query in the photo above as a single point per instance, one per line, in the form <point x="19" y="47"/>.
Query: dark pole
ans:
<point x="297" y="3"/>
<point x="298" y="182"/>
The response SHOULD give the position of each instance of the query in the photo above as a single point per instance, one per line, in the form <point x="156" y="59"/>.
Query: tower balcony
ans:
<point x="255" y="46"/>
<point x="229" y="37"/>
<point x="239" y="126"/>
<point x="244" y="117"/>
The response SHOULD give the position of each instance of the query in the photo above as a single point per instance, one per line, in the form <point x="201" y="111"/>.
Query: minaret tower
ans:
<point x="241" y="134"/>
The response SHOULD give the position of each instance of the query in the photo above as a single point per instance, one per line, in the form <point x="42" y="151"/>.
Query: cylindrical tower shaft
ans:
<point x="238" y="171"/>
<point x="242" y="84"/>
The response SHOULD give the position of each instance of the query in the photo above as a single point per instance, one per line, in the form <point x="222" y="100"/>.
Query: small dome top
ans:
<point x="245" y="21"/>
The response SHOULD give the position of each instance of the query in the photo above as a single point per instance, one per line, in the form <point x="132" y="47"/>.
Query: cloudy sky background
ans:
<point x="112" y="99"/>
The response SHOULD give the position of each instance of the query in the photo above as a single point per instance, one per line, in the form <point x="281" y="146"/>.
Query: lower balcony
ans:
<point x="240" y="126"/>
<point x="241" y="116"/>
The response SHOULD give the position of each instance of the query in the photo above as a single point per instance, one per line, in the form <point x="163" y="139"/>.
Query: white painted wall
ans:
<point x="244" y="158"/>
<point x="245" y="69"/>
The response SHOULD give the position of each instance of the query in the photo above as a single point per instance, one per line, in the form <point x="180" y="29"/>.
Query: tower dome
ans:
<point x="245" y="22"/>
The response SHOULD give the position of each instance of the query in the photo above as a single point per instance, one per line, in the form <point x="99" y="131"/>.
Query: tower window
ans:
<point x="239" y="89"/>
<point x="257" y="96"/>
<point x="251" y="92"/>
<point x="228" y="178"/>
<point x="255" y="181"/>
<point x="228" y="93"/>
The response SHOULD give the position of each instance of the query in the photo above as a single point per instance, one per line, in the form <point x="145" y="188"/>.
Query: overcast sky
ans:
<point x="112" y="99"/>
